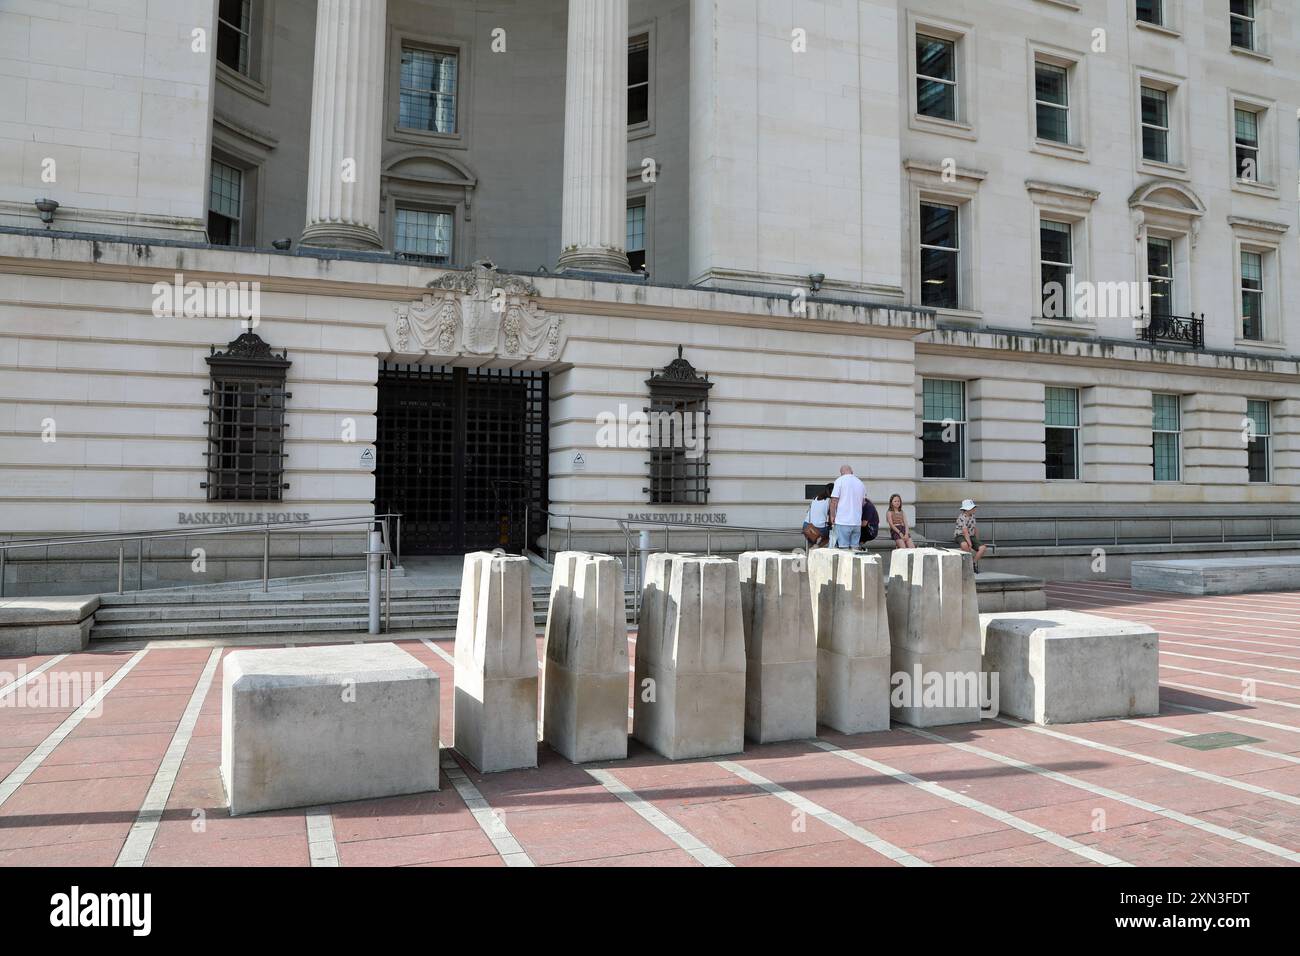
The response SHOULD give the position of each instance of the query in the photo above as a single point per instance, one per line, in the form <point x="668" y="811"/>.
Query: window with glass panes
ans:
<point x="1155" y="124"/>
<point x="1056" y="254"/>
<point x="1252" y="295"/>
<point x="1151" y="11"/>
<point x="1166" y="436"/>
<point x="940" y="256"/>
<point x="638" y="80"/>
<point x="1160" y="275"/>
<point x="1061" y="434"/>
<point x="1241" y="13"/>
<point x="234" y="22"/>
<point x="423" y="232"/>
<point x="1052" y="102"/>
<point x="427" y="97"/>
<point x="943" y="428"/>
<point x="225" y="194"/>
<point x="636" y="234"/>
<point x="936" y="77"/>
<point x="1258" y="449"/>
<point x="1246" y="124"/>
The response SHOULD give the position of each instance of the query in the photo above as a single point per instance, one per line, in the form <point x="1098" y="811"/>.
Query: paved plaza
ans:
<point x="130" y="776"/>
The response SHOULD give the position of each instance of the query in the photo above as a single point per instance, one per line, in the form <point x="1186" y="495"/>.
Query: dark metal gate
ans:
<point x="461" y="454"/>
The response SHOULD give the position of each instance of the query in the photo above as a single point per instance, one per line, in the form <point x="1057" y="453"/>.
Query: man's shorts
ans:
<point x="846" y="536"/>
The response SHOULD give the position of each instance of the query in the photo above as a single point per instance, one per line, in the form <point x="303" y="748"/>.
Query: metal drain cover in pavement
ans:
<point x="1215" y="741"/>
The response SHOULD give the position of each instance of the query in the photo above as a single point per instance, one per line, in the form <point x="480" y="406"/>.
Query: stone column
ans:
<point x="347" y="118"/>
<point x="594" y="226"/>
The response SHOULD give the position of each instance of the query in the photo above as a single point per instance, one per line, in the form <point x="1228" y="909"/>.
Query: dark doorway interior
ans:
<point x="461" y="454"/>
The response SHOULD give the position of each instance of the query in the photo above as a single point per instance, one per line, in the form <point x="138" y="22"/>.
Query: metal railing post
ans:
<point x="3" y="554"/>
<point x="139" y="564"/>
<point x="266" y="559"/>
<point x="568" y="539"/>
<point x="388" y="592"/>
<point x="548" y="537"/>
<point x="121" y="565"/>
<point x="398" y="541"/>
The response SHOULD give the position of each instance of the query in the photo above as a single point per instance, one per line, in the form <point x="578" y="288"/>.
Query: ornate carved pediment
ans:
<point x="477" y="312"/>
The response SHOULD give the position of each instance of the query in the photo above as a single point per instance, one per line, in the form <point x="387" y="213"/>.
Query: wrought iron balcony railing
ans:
<point x="1186" y="330"/>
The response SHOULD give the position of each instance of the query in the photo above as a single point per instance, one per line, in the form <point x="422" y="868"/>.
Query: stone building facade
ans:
<point x="476" y="230"/>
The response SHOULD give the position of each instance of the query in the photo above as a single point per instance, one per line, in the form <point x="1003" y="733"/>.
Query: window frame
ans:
<point x="638" y="201"/>
<point x="247" y="364"/>
<point x="1252" y="19"/>
<point x="1173" y="88"/>
<point x="928" y="183"/>
<point x="1178" y="440"/>
<point x="963" y="424"/>
<point x="256" y="83"/>
<point x="1266" y="154"/>
<point x="1265" y="239"/>
<point x="1266" y="436"/>
<point x="1076" y="432"/>
<point x="1070" y="205"/>
<point x="1044" y="264"/>
<point x="962" y="37"/>
<point x="461" y="47"/>
<point x="240" y="221"/>
<point x="429" y="208"/>
<point x="647" y="128"/>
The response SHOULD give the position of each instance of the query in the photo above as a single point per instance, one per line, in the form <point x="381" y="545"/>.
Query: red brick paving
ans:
<point x="78" y="805"/>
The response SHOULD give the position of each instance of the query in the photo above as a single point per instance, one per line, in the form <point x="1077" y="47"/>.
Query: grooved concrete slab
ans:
<point x="1218" y="575"/>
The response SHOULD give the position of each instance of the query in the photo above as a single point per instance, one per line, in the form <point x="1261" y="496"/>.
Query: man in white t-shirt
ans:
<point x="846" y="509"/>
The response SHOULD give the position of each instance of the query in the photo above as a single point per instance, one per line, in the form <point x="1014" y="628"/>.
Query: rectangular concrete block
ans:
<point x="585" y="691"/>
<point x="689" y="698"/>
<point x="302" y="726"/>
<point x="496" y="664"/>
<point x="1056" y="667"/>
<point x="46" y="625"/>
<point x="1217" y="575"/>
<point x="780" y="647"/>
<point x="851" y="623"/>
<point x="935" y="635"/>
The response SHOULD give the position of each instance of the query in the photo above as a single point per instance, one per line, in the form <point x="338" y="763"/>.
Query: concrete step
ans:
<point x="197" y="597"/>
<point x="155" y="630"/>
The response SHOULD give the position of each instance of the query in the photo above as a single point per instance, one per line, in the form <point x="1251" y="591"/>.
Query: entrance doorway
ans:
<point x="461" y="454"/>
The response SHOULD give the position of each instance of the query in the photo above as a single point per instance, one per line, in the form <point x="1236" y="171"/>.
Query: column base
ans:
<point x="341" y="235"/>
<point x="594" y="260"/>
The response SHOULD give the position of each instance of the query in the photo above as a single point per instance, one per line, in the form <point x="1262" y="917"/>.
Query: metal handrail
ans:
<point x="1116" y="521"/>
<point x="266" y="528"/>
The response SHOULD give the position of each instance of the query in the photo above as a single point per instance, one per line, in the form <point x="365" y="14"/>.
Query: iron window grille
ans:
<point x="679" y="400"/>
<point x="246" y="402"/>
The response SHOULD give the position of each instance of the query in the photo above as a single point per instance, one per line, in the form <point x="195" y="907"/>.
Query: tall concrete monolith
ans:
<point x="689" y="695"/>
<point x="584" y="694"/>
<point x="780" y="647"/>
<point x="852" y="628"/>
<point x="496" y="663"/>
<point x="934" y="627"/>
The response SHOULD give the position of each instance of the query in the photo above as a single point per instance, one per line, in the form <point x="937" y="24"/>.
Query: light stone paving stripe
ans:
<point x="1213" y="691"/>
<point x="1220" y="660"/>
<point x="13" y="685"/>
<point x="25" y="769"/>
<point x="321" y="846"/>
<point x="970" y="803"/>
<point x="1208" y="619"/>
<point x="438" y="650"/>
<point x="145" y="827"/>
<point x="1153" y="808"/>
<point x="489" y="820"/>
<point x="1248" y="748"/>
<point x="1154" y="761"/>
<point x="850" y="829"/>
<point x="1229" y="716"/>
<point x="1236" y="677"/>
<point x="658" y="819"/>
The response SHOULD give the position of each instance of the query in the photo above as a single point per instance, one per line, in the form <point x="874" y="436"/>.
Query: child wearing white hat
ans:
<point x="967" y="535"/>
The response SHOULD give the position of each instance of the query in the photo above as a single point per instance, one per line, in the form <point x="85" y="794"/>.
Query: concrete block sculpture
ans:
<point x="496" y="664"/>
<point x="935" y="634"/>
<point x="780" y="647"/>
<point x="689" y="694"/>
<point x="302" y="726"/>
<point x="847" y="595"/>
<point x="585" y="691"/>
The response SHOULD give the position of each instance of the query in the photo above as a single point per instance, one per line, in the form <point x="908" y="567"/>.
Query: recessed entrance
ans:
<point x="461" y="454"/>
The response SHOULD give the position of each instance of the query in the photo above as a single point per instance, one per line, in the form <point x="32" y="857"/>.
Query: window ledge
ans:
<point x="1159" y="28"/>
<point x="1067" y="326"/>
<point x="1253" y="187"/>
<point x="968" y="317"/>
<point x="1068" y="4"/>
<point x="640" y="131"/>
<point x="1252" y="54"/>
<point x="428" y="138"/>
<point x="1259" y="344"/>
<point x="1050" y="147"/>
<point x="933" y="124"/>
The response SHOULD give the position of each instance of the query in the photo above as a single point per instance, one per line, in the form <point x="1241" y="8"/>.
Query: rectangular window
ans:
<point x="636" y="234"/>
<point x="1246" y="125"/>
<point x="1155" y="125"/>
<point x="936" y="77"/>
<point x="638" y="80"/>
<point x="1151" y="11"/>
<point x="234" y="19"/>
<point x="1160" y="275"/>
<point x="679" y="438"/>
<point x="1252" y="296"/>
<point x="940" y="256"/>
<point x="1061" y="436"/>
<point x="1259" y="449"/>
<point x="425" y="234"/>
<point x="1166" y="436"/>
<point x="246" y="405"/>
<point x="225" y="195"/>
<point x="943" y="428"/>
<point x="427" y="97"/>
<point x="1052" y="101"/>
<point x="1242" y="15"/>
<point x="1056" y="262"/>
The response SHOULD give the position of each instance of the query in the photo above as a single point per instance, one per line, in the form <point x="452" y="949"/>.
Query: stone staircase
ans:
<point x="221" y="613"/>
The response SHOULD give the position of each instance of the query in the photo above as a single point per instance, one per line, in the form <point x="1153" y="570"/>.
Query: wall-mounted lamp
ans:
<point x="46" y="208"/>
<point x="815" y="281"/>
<point x="281" y="244"/>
